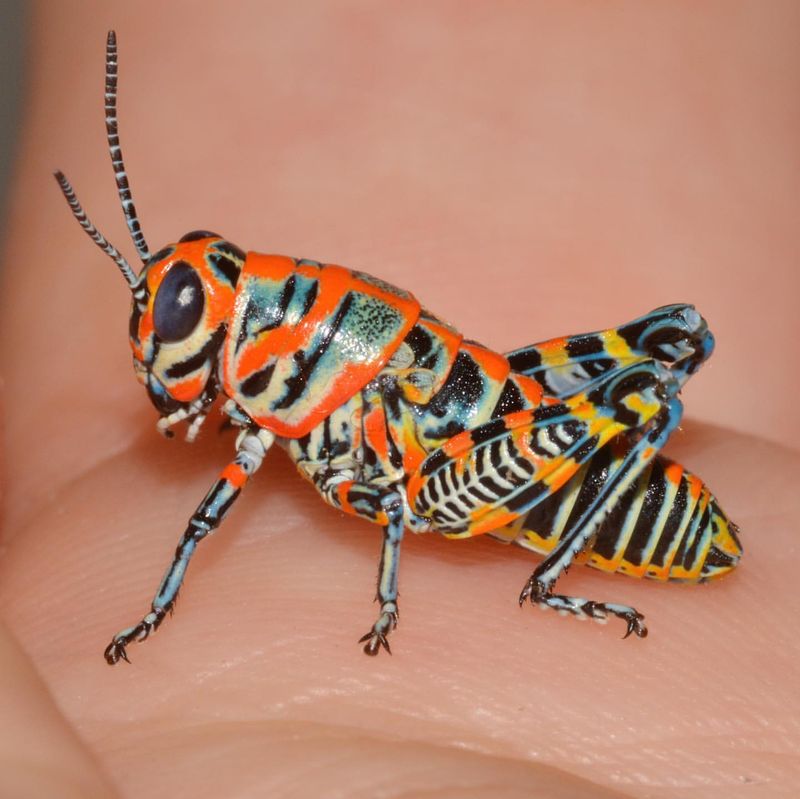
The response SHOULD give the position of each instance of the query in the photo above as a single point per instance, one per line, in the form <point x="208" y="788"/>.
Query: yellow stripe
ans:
<point x="616" y="346"/>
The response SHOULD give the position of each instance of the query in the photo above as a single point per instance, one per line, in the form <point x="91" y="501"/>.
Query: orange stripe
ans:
<point x="234" y="474"/>
<point x="494" y="365"/>
<point x="673" y="472"/>
<point x="187" y="390"/>
<point x="341" y="494"/>
<point x="375" y="429"/>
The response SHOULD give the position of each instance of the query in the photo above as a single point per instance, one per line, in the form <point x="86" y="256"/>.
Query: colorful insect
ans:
<point x="396" y="418"/>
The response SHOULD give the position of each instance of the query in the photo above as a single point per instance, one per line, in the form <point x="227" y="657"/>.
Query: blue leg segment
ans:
<point x="387" y="578"/>
<point x="251" y="448"/>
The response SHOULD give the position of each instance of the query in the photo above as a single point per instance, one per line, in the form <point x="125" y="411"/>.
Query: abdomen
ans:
<point x="667" y="526"/>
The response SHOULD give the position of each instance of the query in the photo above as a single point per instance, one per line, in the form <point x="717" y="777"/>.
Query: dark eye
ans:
<point x="179" y="303"/>
<point x="197" y="235"/>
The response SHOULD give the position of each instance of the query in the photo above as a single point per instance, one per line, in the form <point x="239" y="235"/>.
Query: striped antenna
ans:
<point x="97" y="237"/>
<point x="112" y="133"/>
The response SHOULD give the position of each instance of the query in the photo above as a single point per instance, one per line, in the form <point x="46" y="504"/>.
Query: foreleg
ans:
<point x="250" y="450"/>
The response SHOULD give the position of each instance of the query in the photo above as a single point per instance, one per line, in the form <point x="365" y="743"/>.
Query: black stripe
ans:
<point x="541" y="518"/>
<point x="305" y="365"/>
<point x="533" y="443"/>
<point x="490" y="485"/>
<point x="525" y="361"/>
<point x="280" y="311"/>
<point x="445" y="431"/>
<point x="225" y="506"/>
<point x="510" y="400"/>
<point x="558" y="435"/>
<point x="546" y="412"/>
<point x="609" y="532"/>
<point x="690" y="558"/>
<point x="598" y="366"/>
<point x="456" y="512"/>
<point x="585" y="450"/>
<point x="395" y="456"/>
<point x="421" y="343"/>
<point x="672" y="526"/>
<point x="483" y="496"/>
<point x="518" y="502"/>
<point x="421" y="504"/>
<point x="199" y="359"/>
<point x="463" y="390"/>
<point x="631" y="333"/>
<point x="249" y="312"/>
<point x="593" y="480"/>
<point x="653" y="500"/>
<point x="326" y="438"/>
<point x="433" y="462"/>
<point x="445" y="480"/>
<point x="716" y="557"/>
<point x="303" y="443"/>
<point x="310" y="299"/>
<point x="257" y="382"/>
<point x="226" y="267"/>
<point x="584" y="345"/>
<point x="521" y="462"/>
<point x="489" y="431"/>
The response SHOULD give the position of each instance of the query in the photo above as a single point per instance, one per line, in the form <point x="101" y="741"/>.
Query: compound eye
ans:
<point x="179" y="303"/>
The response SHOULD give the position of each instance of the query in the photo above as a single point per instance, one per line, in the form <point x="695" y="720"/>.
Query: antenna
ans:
<point x="95" y="235"/>
<point x="138" y="288"/>
<point x="112" y="133"/>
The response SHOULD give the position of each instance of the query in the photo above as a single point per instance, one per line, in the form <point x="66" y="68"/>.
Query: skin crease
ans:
<point x="528" y="171"/>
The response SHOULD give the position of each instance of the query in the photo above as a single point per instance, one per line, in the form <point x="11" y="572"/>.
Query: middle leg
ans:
<point x="381" y="504"/>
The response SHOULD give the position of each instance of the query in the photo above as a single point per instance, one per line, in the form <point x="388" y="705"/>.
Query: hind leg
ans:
<point x="539" y="588"/>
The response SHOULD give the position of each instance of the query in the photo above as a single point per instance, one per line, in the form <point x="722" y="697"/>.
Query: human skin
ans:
<point x="527" y="172"/>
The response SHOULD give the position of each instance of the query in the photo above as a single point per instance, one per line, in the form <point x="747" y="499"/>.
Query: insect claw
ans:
<point x="532" y="591"/>
<point x="636" y="625"/>
<point x="114" y="651"/>
<point x="370" y="648"/>
<point x="374" y="643"/>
